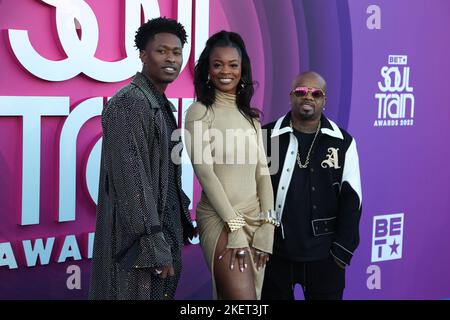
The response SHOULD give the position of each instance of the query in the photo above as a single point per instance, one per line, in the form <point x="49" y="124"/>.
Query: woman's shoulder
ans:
<point x="196" y="106"/>
<point x="196" y="111"/>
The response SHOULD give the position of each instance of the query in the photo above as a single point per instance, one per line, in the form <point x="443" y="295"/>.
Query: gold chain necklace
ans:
<point x="299" y="162"/>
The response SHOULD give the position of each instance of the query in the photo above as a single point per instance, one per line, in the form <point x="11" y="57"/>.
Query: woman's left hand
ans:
<point x="261" y="258"/>
<point x="241" y="254"/>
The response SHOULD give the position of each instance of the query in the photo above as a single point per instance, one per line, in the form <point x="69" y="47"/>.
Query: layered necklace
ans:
<point x="299" y="162"/>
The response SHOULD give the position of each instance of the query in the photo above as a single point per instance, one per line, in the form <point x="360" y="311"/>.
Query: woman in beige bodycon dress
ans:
<point x="224" y="142"/>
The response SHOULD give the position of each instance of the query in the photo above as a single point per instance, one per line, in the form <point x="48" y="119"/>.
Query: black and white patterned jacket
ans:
<point x="132" y="195"/>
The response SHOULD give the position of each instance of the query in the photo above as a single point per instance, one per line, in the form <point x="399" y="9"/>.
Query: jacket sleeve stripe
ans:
<point x="343" y="247"/>
<point x="351" y="170"/>
<point x="338" y="258"/>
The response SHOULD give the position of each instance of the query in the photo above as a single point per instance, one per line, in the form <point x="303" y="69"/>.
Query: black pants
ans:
<point x="320" y="280"/>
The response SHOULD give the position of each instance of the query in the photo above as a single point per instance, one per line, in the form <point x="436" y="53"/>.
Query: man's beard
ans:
<point x="305" y="117"/>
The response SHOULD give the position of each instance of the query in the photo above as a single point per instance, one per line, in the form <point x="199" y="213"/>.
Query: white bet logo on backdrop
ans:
<point x="387" y="240"/>
<point x="80" y="52"/>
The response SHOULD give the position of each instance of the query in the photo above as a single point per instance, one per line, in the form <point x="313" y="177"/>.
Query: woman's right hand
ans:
<point x="242" y="255"/>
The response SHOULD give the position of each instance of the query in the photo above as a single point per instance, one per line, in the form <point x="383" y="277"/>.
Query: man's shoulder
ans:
<point x="125" y="98"/>
<point x="128" y="104"/>
<point x="346" y="136"/>
<point x="128" y="93"/>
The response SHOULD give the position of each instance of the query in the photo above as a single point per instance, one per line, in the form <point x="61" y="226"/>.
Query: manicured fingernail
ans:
<point x="232" y="266"/>
<point x="245" y="265"/>
<point x="242" y="269"/>
<point x="220" y="257"/>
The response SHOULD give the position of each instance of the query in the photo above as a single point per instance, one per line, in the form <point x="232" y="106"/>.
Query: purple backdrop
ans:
<point x="378" y="57"/>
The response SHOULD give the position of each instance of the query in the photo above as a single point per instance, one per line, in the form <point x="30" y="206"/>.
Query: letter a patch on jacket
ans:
<point x="332" y="160"/>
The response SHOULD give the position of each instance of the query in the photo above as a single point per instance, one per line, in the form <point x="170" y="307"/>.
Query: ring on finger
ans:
<point x="260" y="253"/>
<point x="241" y="253"/>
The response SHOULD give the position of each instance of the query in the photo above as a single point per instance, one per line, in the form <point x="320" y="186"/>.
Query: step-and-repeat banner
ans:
<point x="385" y="62"/>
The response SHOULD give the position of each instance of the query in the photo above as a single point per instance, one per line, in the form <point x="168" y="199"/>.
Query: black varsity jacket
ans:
<point x="335" y="181"/>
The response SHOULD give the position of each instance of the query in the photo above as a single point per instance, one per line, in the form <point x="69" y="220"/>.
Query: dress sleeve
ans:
<point x="262" y="175"/>
<point x="263" y="238"/>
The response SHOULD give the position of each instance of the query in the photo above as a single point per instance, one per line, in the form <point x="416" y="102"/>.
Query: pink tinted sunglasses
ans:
<point x="302" y="92"/>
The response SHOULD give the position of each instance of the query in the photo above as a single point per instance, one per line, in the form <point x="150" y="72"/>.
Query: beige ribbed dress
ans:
<point x="229" y="161"/>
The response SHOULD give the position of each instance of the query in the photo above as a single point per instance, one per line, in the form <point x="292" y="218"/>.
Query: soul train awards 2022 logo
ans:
<point x="396" y="99"/>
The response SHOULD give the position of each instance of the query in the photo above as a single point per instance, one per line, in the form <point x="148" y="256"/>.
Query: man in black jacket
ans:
<point x="142" y="213"/>
<point x="318" y="197"/>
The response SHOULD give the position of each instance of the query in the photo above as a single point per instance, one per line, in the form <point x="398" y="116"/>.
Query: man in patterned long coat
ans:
<point x="142" y="214"/>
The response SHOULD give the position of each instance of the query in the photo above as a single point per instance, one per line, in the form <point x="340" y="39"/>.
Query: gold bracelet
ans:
<point x="236" y="223"/>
